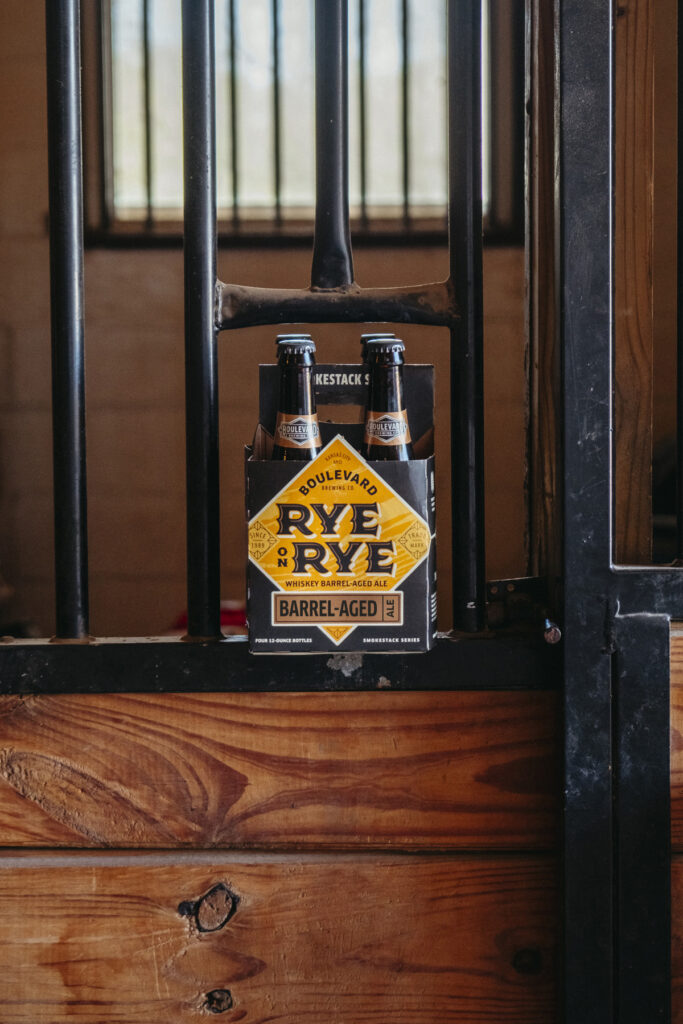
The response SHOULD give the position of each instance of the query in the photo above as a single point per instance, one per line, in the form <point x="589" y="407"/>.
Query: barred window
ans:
<point x="265" y="118"/>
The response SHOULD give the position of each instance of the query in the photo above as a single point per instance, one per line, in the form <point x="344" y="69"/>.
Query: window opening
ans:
<point x="265" y="119"/>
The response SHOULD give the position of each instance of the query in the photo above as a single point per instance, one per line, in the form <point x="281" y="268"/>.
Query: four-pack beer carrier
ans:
<point x="340" y="503"/>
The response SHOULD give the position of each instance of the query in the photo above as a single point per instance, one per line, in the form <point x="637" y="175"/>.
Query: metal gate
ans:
<point x="616" y="619"/>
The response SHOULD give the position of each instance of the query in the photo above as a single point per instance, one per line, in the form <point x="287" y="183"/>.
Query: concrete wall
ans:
<point x="134" y="337"/>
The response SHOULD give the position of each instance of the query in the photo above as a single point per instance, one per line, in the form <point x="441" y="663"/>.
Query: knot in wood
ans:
<point x="528" y="961"/>
<point x="213" y="910"/>
<point x="219" y="1000"/>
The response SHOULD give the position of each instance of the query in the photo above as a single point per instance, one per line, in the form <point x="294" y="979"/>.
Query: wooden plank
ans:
<point x="411" y="770"/>
<point x="664" y="230"/>
<point x="633" y="223"/>
<point x="352" y="939"/>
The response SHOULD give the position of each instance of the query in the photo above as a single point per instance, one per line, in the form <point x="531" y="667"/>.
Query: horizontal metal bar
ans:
<point x="656" y="590"/>
<point x="521" y="661"/>
<point x="244" y="306"/>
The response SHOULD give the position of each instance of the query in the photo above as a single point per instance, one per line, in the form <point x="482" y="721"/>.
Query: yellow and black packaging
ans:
<point x="342" y="551"/>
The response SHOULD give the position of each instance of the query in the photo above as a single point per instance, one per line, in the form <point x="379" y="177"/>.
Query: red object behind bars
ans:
<point x="233" y="620"/>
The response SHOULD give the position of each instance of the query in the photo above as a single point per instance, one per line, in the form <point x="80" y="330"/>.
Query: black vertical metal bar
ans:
<point x="362" y="112"/>
<point x="147" y="93"/>
<point x="234" y="156"/>
<point x="465" y="248"/>
<point x="277" y="130"/>
<point x="585" y="294"/>
<point x="643" y="819"/>
<point x="332" y="265"/>
<point x="201" y="380"/>
<point x="66" y="292"/>
<point x="405" y="110"/>
<point x="679" y="297"/>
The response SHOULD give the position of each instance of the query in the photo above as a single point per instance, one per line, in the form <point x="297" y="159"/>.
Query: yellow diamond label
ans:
<point x="416" y="541"/>
<point x="260" y="541"/>
<point x="337" y="541"/>
<point x="337" y="632"/>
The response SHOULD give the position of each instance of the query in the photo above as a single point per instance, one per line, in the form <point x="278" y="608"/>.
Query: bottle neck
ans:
<point x="296" y="391"/>
<point x="386" y="387"/>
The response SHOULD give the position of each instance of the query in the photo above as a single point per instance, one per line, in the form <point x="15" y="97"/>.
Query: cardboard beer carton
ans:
<point x="341" y="550"/>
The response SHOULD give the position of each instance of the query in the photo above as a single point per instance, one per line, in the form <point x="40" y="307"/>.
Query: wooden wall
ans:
<point x="346" y="858"/>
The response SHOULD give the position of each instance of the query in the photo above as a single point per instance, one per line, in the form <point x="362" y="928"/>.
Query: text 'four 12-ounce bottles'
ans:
<point x="297" y="432"/>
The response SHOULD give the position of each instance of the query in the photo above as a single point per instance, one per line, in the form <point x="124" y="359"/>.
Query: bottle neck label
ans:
<point x="387" y="428"/>
<point x="297" y="430"/>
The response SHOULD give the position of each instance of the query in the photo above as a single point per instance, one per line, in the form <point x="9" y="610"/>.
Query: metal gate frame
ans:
<point x="212" y="306"/>
<point x="617" y="618"/>
<point x="617" y="927"/>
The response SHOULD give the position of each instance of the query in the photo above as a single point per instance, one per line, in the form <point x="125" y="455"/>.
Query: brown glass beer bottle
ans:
<point x="297" y="434"/>
<point x="387" y="436"/>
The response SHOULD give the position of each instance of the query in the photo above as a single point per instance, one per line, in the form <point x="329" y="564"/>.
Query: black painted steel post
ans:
<point x="586" y="240"/>
<point x="467" y="357"/>
<point x="332" y="261"/>
<point x="201" y="371"/>
<point x="679" y="299"/>
<point x="643" y="817"/>
<point x="66" y="292"/>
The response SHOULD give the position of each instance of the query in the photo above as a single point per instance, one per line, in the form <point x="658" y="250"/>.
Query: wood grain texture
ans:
<point x="634" y="173"/>
<point x="451" y="770"/>
<point x="344" y="940"/>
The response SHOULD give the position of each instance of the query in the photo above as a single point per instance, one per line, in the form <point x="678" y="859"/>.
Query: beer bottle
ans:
<point x="387" y="436"/>
<point x="297" y="434"/>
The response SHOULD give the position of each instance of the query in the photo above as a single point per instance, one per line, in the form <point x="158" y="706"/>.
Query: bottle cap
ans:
<point x="290" y="343"/>
<point x="385" y="343"/>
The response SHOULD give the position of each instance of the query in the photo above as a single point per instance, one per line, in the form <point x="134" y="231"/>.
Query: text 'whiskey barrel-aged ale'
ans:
<point x="387" y="436"/>
<point x="297" y="434"/>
